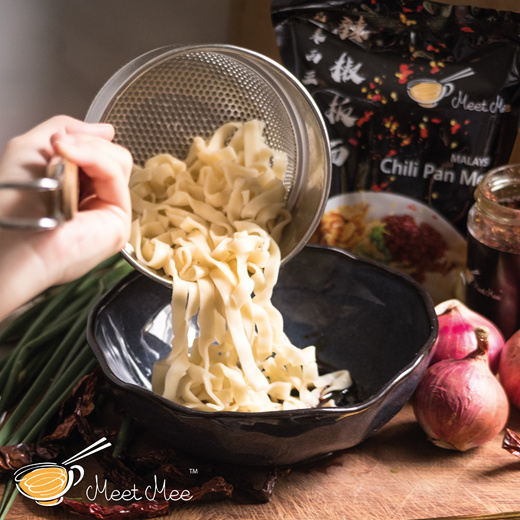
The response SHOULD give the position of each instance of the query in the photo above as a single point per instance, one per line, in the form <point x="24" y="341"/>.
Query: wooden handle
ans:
<point x="70" y="189"/>
<point x="66" y="172"/>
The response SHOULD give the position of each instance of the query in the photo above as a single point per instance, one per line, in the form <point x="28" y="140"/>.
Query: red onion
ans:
<point x="456" y="337"/>
<point x="459" y="403"/>
<point x="509" y="368"/>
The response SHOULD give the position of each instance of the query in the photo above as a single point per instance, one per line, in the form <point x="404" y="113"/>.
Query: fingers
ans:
<point x="102" y="226"/>
<point x="107" y="165"/>
<point x="26" y="155"/>
<point x="68" y="125"/>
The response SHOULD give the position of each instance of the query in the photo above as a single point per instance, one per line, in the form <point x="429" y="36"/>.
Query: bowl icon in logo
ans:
<point x="47" y="482"/>
<point x="428" y="92"/>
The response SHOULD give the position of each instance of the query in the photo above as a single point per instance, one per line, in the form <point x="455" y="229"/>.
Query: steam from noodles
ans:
<point x="212" y="222"/>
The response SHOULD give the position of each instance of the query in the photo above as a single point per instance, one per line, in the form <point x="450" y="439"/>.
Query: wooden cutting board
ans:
<point x="394" y="475"/>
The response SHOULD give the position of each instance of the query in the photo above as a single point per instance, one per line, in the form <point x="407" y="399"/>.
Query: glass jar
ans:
<point x="493" y="261"/>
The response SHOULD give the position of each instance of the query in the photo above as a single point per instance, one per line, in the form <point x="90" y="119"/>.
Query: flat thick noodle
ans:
<point x="213" y="222"/>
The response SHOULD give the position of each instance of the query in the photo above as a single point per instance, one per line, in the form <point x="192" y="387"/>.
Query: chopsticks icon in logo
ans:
<point x="47" y="482"/>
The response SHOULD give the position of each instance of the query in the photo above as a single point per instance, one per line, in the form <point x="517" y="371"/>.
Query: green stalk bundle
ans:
<point x="48" y="354"/>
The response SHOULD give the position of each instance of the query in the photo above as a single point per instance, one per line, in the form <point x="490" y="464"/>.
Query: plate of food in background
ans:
<point x="400" y="232"/>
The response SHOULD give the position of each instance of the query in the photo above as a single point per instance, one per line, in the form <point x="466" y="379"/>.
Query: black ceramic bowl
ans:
<point x="373" y="321"/>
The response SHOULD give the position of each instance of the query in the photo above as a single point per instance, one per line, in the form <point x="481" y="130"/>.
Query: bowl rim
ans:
<point x="424" y="351"/>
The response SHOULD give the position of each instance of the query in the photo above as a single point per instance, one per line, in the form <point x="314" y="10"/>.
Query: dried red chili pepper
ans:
<point x="51" y="447"/>
<point x="14" y="457"/>
<point x="511" y="442"/>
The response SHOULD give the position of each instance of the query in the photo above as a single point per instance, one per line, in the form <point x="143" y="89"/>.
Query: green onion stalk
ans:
<point x="48" y="355"/>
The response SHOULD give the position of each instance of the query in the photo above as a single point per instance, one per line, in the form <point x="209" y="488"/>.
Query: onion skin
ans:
<point x="459" y="403"/>
<point x="457" y="338"/>
<point x="509" y="368"/>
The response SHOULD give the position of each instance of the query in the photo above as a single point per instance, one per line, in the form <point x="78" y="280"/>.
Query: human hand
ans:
<point x="31" y="261"/>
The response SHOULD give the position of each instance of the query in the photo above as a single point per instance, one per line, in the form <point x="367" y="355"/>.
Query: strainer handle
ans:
<point x="61" y="180"/>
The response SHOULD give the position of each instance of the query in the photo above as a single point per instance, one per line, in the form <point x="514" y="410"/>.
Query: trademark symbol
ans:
<point x="194" y="471"/>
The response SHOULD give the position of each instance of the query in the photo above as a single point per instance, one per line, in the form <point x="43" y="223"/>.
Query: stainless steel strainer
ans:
<point x="163" y="99"/>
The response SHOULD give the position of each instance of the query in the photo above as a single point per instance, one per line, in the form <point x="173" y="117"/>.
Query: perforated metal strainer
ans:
<point x="163" y="99"/>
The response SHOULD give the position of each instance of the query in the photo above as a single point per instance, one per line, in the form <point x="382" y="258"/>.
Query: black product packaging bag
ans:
<point x="420" y="100"/>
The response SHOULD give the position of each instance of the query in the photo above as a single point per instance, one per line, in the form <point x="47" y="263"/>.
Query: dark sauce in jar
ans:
<point x="493" y="285"/>
<point x="493" y="261"/>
